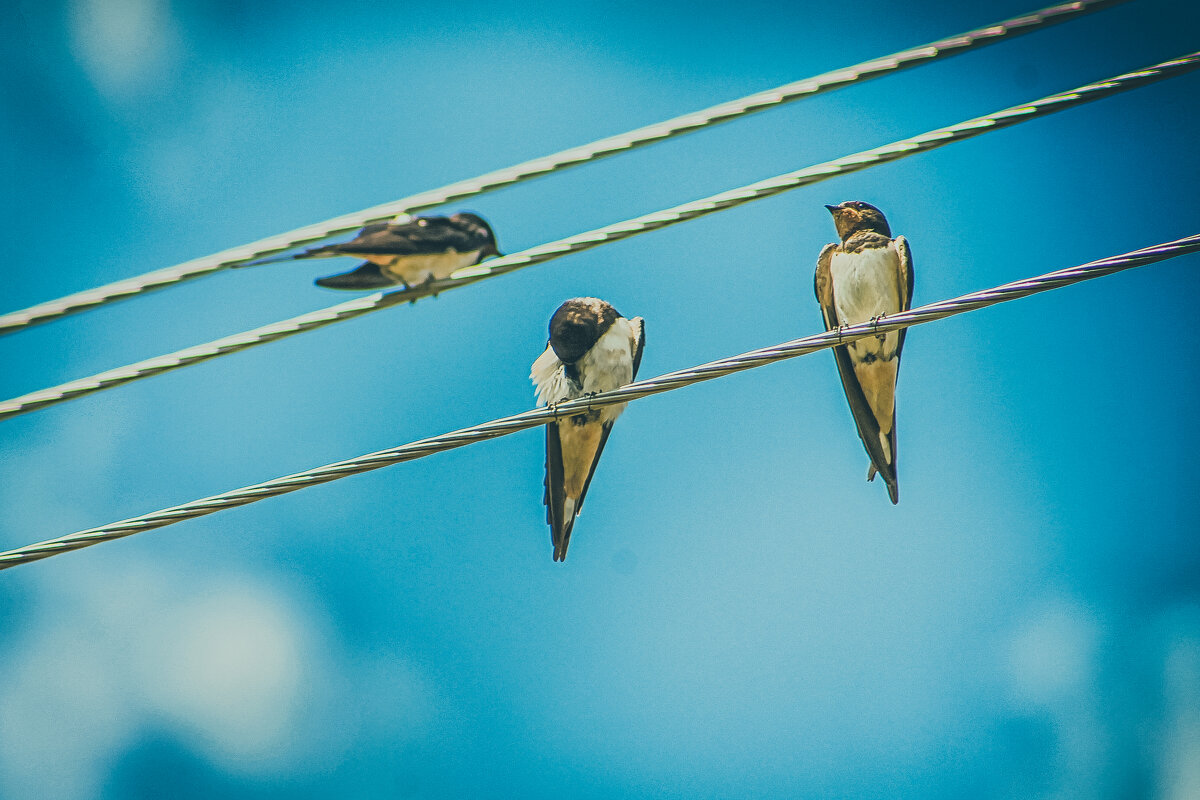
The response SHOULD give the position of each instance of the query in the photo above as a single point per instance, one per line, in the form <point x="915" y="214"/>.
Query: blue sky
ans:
<point x="741" y="614"/>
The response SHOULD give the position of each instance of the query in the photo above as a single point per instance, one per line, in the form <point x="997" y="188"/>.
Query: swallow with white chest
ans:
<point x="592" y="349"/>
<point x="867" y="276"/>
<point x="411" y="253"/>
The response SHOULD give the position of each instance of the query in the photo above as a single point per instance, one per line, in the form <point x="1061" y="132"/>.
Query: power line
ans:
<point x="634" y="391"/>
<point x="129" y="287"/>
<point x="584" y="241"/>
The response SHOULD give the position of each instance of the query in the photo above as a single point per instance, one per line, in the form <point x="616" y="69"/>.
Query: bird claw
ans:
<point x="406" y="288"/>
<point x="553" y="407"/>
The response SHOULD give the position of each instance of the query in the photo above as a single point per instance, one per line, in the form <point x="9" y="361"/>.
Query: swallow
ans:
<point x="411" y="253"/>
<point x="592" y="349"/>
<point x="867" y="276"/>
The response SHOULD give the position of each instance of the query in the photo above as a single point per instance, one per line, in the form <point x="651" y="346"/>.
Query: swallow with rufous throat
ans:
<point x="868" y="275"/>
<point x="592" y="349"/>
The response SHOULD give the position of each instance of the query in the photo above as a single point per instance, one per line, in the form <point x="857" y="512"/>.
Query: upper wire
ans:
<point x="633" y="391"/>
<point x="611" y="233"/>
<point x="189" y="270"/>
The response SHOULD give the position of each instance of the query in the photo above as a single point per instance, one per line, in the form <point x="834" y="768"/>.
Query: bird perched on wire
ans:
<point x="411" y="253"/>
<point x="867" y="276"/>
<point x="592" y="349"/>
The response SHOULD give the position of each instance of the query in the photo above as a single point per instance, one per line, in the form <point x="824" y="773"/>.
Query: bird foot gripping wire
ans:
<point x="419" y="290"/>
<point x="415" y="291"/>
<point x="553" y="407"/>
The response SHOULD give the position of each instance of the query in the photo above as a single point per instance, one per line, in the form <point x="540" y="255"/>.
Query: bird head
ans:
<point x="490" y="247"/>
<point x="577" y="325"/>
<point x="855" y="215"/>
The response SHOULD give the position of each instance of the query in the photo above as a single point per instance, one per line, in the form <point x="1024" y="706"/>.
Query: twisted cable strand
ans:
<point x="189" y="270"/>
<point x="594" y="238"/>
<point x="634" y="391"/>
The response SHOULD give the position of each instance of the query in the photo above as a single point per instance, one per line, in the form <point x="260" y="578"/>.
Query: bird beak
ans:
<point x="834" y="209"/>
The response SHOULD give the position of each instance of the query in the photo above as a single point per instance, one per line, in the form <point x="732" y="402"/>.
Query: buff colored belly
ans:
<point x="579" y="445"/>
<point x="418" y="269"/>
<point x="609" y="365"/>
<point x="866" y="284"/>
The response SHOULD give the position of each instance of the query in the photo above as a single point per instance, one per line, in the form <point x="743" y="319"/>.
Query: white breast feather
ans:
<point x="609" y="364"/>
<point x="865" y="284"/>
<point x="417" y="269"/>
<point x="550" y="384"/>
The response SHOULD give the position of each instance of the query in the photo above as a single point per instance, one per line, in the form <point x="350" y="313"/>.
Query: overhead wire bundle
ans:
<point x="615" y="232"/>
<point x="595" y="238"/>
<point x="509" y="176"/>
<point x="632" y="391"/>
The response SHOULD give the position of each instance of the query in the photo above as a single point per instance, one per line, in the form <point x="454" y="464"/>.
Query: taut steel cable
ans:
<point x="584" y="241"/>
<point x="189" y="270"/>
<point x="663" y="383"/>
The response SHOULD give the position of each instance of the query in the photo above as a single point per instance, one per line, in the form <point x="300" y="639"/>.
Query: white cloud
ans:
<point x="48" y="487"/>
<point x="63" y="715"/>
<point x="243" y="673"/>
<point x="1179" y="746"/>
<point x="227" y="667"/>
<point x="123" y="45"/>
<point x="1053" y="675"/>
<point x="1051" y="657"/>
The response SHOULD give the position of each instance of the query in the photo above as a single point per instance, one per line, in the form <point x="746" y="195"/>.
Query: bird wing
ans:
<point x="367" y="276"/>
<point x="823" y="286"/>
<point x="906" y="281"/>
<point x="420" y="236"/>
<point x="860" y="409"/>
<point x="555" y="495"/>
<point x="639" y="333"/>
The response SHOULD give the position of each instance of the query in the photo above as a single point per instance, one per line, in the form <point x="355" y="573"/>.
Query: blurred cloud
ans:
<point x="1052" y="666"/>
<point x="65" y="717"/>
<point x="47" y="491"/>
<point x="124" y="46"/>
<point x="240" y="671"/>
<point x="219" y="124"/>
<point x="228" y="668"/>
<point x="1052" y="654"/>
<point x="1179" y="749"/>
